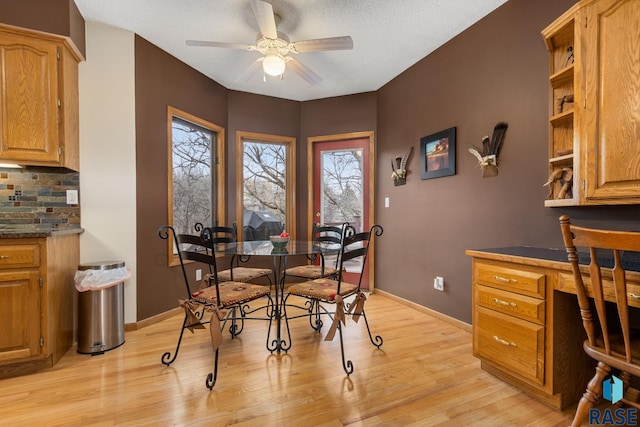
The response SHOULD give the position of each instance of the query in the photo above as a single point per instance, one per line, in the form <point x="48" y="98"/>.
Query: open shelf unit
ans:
<point x="559" y="39"/>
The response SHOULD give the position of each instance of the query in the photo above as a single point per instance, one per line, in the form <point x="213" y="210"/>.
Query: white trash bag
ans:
<point x="94" y="280"/>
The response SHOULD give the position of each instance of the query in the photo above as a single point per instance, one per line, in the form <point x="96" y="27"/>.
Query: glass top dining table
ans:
<point x="246" y="249"/>
<point x="264" y="248"/>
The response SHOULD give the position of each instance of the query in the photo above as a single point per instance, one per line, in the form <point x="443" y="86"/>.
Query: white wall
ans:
<point x="107" y="152"/>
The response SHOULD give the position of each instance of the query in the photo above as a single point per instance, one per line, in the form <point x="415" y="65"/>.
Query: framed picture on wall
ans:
<point x="438" y="154"/>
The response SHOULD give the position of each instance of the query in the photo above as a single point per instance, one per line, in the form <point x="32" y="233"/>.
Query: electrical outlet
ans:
<point x="438" y="283"/>
<point x="198" y="274"/>
<point x="72" y="197"/>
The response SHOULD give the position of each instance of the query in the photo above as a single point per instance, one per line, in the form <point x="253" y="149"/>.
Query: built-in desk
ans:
<point x="526" y="321"/>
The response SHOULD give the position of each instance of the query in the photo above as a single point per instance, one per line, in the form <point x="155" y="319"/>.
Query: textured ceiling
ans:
<point x="389" y="36"/>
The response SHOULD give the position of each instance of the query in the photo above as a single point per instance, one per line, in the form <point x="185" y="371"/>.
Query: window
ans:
<point x="196" y="179"/>
<point x="265" y="173"/>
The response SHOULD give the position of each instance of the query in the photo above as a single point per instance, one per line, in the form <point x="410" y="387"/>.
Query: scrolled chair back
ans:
<point x="168" y="232"/>
<point x="356" y="245"/>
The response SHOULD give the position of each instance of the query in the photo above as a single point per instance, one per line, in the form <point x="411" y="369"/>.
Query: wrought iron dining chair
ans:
<point x="610" y="339"/>
<point x="319" y="235"/>
<point x="235" y="272"/>
<point x="325" y="292"/>
<point x="223" y="299"/>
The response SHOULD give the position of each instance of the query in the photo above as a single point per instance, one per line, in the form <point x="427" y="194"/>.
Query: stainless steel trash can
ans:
<point x="101" y="314"/>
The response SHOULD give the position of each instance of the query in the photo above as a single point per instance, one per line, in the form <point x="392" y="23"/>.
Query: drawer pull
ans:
<point x="504" y="279"/>
<point x="503" y="342"/>
<point x="4" y="256"/>
<point x="634" y="296"/>
<point x="510" y="304"/>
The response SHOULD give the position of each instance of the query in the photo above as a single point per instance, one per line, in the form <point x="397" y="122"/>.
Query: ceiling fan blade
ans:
<point x="219" y="44"/>
<point x="251" y="71"/>
<point x="266" y="20"/>
<point x="303" y="71"/>
<point x="331" y="43"/>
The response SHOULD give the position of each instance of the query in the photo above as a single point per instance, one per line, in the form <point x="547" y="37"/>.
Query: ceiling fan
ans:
<point x="276" y="48"/>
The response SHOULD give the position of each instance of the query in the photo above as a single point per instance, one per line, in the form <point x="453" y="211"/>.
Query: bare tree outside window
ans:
<point x="265" y="178"/>
<point x="192" y="177"/>
<point x="266" y="174"/>
<point x="341" y="186"/>
<point x="195" y="167"/>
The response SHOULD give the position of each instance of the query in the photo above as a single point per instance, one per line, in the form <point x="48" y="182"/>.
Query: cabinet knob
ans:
<point x="4" y="256"/>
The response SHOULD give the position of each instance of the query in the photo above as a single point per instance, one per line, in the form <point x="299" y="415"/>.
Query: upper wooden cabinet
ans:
<point x="39" y="99"/>
<point x="611" y="119"/>
<point x="595" y="106"/>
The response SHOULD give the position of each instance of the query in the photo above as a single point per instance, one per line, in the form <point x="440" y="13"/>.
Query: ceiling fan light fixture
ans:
<point x="273" y="64"/>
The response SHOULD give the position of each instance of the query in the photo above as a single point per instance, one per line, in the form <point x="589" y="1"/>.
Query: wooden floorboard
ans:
<point x="424" y="375"/>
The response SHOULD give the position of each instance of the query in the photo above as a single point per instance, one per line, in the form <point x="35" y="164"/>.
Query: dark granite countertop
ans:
<point x="24" y="233"/>
<point x="630" y="260"/>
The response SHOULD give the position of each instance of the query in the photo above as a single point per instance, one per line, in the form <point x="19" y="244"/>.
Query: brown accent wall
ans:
<point x="497" y="70"/>
<point x="162" y="80"/>
<point x="52" y="16"/>
<point x="259" y="114"/>
<point x="330" y="116"/>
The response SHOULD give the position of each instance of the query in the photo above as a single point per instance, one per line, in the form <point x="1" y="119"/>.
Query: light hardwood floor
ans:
<point x="424" y="375"/>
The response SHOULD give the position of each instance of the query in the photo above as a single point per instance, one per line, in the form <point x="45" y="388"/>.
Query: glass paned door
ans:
<point x="341" y="182"/>
<point x="341" y="188"/>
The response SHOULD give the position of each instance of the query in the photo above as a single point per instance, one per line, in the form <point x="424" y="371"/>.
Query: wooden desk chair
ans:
<point x="326" y="291"/>
<point x="235" y="272"/>
<point x="223" y="299"/>
<point x="320" y="234"/>
<point x="610" y="340"/>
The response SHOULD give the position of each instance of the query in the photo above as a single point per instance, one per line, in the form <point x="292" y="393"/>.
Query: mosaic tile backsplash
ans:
<point x="35" y="199"/>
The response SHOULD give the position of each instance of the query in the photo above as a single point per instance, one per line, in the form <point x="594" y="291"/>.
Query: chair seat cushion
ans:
<point x="243" y="274"/>
<point x="310" y="271"/>
<point x="231" y="293"/>
<point x="324" y="289"/>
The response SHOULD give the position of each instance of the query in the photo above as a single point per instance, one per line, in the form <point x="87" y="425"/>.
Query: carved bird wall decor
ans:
<point x="399" y="174"/>
<point x="488" y="155"/>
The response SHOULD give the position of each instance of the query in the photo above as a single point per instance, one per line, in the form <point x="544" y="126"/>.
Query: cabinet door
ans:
<point x="29" y="100"/>
<point x="19" y="315"/>
<point x="611" y="140"/>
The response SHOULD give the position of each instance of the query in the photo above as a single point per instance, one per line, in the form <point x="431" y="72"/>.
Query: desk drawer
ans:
<point x="566" y="283"/>
<point x="522" y="306"/>
<point x="19" y="256"/>
<point x="513" y="279"/>
<point x="515" y="344"/>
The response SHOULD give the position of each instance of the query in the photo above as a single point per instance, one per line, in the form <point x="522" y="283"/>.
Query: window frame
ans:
<point x="290" y="176"/>
<point x="217" y="172"/>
